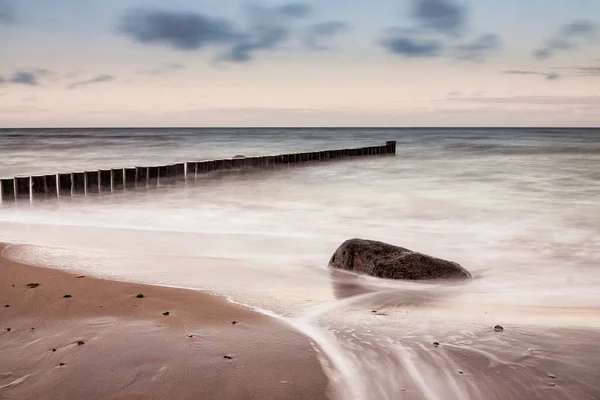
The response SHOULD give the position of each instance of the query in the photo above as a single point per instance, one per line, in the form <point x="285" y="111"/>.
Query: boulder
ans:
<point x="384" y="260"/>
<point x="239" y="157"/>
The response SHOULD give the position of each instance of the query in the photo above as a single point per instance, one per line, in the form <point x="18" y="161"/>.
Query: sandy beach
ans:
<point x="77" y="337"/>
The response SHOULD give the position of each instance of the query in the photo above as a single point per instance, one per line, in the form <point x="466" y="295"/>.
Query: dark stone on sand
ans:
<point x="53" y="350"/>
<point x="239" y="156"/>
<point x="498" y="328"/>
<point x="61" y="364"/>
<point x="7" y="305"/>
<point x="140" y="296"/>
<point x="374" y="311"/>
<point x="166" y="313"/>
<point x="551" y="376"/>
<point x="80" y="343"/>
<point x="436" y="344"/>
<point x="67" y="296"/>
<point x="80" y="276"/>
<point x="228" y="357"/>
<point x="233" y="322"/>
<point x="384" y="260"/>
<point x="8" y="329"/>
<point x="33" y="285"/>
<point x="460" y="372"/>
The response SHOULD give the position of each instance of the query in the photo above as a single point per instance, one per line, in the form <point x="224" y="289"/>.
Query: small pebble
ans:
<point x="7" y="305"/>
<point x="80" y="343"/>
<point x="80" y="276"/>
<point x="436" y="343"/>
<point x="228" y="357"/>
<point x="498" y="328"/>
<point x="8" y="329"/>
<point x="67" y="296"/>
<point x="551" y="376"/>
<point x="460" y="372"/>
<point x="552" y="384"/>
<point x="530" y="350"/>
<point x="166" y="313"/>
<point x="140" y="296"/>
<point x="53" y="350"/>
<point x="13" y="285"/>
<point x="61" y="364"/>
<point x="233" y="322"/>
<point x="190" y="335"/>
<point x="32" y="285"/>
<point x="374" y="311"/>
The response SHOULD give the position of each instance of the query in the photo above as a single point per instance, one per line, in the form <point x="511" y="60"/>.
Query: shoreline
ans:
<point x="113" y="344"/>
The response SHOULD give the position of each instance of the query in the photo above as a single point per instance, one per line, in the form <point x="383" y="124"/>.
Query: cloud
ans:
<point x="266" y="29"/>
<point x="318" y="33"/>
<point x="184" y="31"/>
<point x="166" y="69"/>
<point x="591" y="101"/>
<point x="404" y="45"/>
<point x="7" y="13"/>
<point x="435" y="17"/>
<point x="480" y="48"/>
<point x="98" y="79"/>
<point x="440" y="15"/>
<point x="551" y="76"/>
<point x="569" y="37"/>
<point x="588" y="71"/>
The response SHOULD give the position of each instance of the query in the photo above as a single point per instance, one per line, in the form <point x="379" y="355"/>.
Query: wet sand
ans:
<point x="103" y="342"/>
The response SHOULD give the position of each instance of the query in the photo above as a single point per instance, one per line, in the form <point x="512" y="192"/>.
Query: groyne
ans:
<point x="58" y="185"/>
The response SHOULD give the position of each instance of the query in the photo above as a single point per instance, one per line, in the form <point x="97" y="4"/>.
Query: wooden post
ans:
<point x="141" y="176"/>
<point x="65" y="185"/>
<point x="130" y="178"/>
<point x="191" y="168"/>
<point x="105" y="178"/>
<point x="51" y="185"/>
<point x="8" y="190"/>
<point x="152" y="176"/>
<point x="22" y="187"/>
<point x="38" y="187"/>
<point x="118" y="179"/>
<point x="78" y="179"/>
<point x="171" y="174"/>
<point x="391" y="146"/>
<point x="180" y="172"/>
<point x="92" y="183"/>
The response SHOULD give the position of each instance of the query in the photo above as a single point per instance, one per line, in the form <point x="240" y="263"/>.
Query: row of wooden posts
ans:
<point x="112" y="180"/>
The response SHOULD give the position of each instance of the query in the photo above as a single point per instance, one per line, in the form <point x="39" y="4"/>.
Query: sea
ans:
<point x="519" y="208"/>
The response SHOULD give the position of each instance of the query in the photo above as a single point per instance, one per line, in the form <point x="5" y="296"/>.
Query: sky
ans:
<point x="404" y="63"/>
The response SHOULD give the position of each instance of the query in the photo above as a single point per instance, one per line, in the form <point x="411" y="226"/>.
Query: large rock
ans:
<point x="392" y="262"/>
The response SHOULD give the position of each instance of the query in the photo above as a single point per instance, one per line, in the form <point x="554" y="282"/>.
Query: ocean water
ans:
<point x="519" y="208"/>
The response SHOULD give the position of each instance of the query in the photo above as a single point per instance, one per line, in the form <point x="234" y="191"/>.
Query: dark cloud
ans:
<point x="296" y="10"/>
<point x="98" y="79"/>
<point x="440" y="15"/>
<point x="24" y="78"/>
<point x="29" y="77"/>
<point x="480" y="48"/>
<point x="185" y="31"/>
<point x="318" y="33"/>
<point x="440" y="27"/>
<point x="569" y="37"/>
<point x="403" y="45"/>
<point x="580" y="28"/>
<point x="551" y="76"/>
<point x="7" y="13"/>
<point x="266" y="29"/>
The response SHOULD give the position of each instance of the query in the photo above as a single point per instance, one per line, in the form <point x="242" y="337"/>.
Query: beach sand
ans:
<point x="103" y="342"/>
